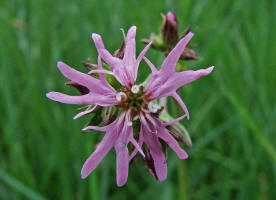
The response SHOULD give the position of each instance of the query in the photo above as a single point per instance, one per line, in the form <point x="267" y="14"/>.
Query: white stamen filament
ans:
<point x="129" y="123"/>
<point x="135" y="89"/>
<point x="128" y="118"/>
<point x="153" y="107"/>
<point x="121" y="96"/>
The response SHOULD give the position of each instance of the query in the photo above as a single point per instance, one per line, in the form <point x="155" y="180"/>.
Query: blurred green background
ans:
<point x="233" y="110"/>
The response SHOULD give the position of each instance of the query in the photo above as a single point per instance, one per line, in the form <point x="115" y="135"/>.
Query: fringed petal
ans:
<point x="130" y="49"/>
<point x="185" y="77"/>
<point x="64" y="98"/>
<point x="122" y="162"/>
<point x="100" y="71"/>
<point x="84" y="112"/>
<point x="102" y="77"/>
<point x="166" y="136"/>
<point x="102" y="149"/>
<point x="139" y="58"/>
<point x="181" y="103"/>
<point x="140" y="143"/>
<point x="174" y="121"/>
<point x="143" y="52"/>
<point x="168" y="67"/>
<point x="152" y="67"/>
<point x="157" y="154"/>
<point x="112" y="61"/>
<point x="136" y="145"/>
<point x="93" y="84"/>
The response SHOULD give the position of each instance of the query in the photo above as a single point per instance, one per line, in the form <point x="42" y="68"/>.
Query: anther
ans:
<point x="153" y="107"/>
<point x="129" y="123"/>
<point x="121" y="96"/>
<point x="135" y="89"/>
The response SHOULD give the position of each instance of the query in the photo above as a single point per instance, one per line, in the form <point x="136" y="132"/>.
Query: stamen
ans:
<point x="153" y="107"/>
<point x="128" y="118"/>
<point x="129" y="123"/>
<point x="121" y="96"/>
<point x="135" y="89"/>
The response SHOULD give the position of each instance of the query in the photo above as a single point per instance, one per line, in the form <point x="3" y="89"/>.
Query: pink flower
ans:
<point x="100" y="93"/>
<point x="136" y="102"/>
<point x="139" y="101"/>
<point x="118" y="133"/>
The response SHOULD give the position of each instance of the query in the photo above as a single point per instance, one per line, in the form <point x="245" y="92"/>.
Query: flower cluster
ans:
<point x="138" y="127"/>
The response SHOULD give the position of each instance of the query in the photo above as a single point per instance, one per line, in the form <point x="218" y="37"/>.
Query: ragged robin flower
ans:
<point x="137" y="105"/>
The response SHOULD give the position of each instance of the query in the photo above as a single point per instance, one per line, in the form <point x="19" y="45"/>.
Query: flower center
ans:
<point x="136" y="100"/>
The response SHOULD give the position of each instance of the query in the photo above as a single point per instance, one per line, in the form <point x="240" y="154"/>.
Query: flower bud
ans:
<point x="170" y="29"/>
<point x="177" y="130"/>
<point x="180" y="133"/>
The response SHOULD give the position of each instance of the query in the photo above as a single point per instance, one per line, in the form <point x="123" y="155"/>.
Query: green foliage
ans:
<point x="233" y="110"/>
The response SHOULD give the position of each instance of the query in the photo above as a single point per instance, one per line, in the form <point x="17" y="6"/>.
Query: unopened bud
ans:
<point x="180" y="133"/>
<point x="177" y="130"/>
<point x="170" y="29"/>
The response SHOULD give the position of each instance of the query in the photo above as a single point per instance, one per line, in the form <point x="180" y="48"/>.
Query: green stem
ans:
<point x="93" y="181"/>
<point x="182" y="180"/>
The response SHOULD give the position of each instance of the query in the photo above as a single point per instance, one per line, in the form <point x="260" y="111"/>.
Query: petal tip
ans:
<point x="142" y="153"/>
<point x="191" y="34"/>
<point x="184" y="156"/>
<point x="187" y="38"/>
<point x="61" y="65"/>
<point x="96" y="36"/>
<point x="83" y="174"/>
<point x="50" y="95"/>
<point x="131" y="32"/>
<point x="84" y="129"/>
<point x="133" y="28"/>
<point x="162" y="178"/>
<point x="210" y="69"/>
<point x="121" y="183"/>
